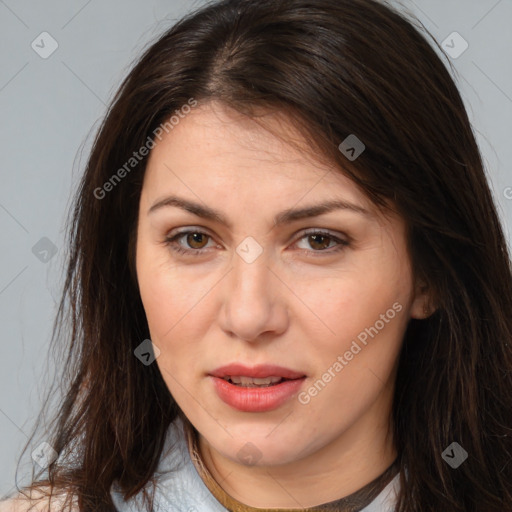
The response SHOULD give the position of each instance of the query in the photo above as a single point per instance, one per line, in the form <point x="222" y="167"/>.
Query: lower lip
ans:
<point x="256" y="399"/>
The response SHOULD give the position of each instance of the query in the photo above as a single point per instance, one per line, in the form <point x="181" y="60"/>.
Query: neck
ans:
<point x="355" y="458"/>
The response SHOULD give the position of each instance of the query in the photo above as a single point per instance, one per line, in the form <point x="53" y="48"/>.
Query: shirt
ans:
<point x="183" y="484"/>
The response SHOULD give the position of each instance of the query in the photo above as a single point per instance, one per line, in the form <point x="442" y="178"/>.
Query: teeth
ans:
<point x="252" y="381"/>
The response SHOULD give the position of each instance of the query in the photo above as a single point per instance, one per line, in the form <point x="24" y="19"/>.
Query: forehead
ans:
<point x="214" y="149"/>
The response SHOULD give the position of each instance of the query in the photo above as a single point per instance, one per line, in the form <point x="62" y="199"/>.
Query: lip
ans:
<point x="261" y="371"/>
<point x="256" y="399"/>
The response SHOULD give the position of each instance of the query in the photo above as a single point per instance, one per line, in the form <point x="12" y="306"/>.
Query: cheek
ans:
<point x="174" y="302"/>
<point x="362" y="316"/>
<point x="171" y="329"/>
<point x="342" y="308"/>
<point x="354" y="363"/>
<point x="168" y="292"/>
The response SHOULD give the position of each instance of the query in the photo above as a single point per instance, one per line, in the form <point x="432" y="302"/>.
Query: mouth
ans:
<point x="261" y="375"/>
<point x="253" y="382"/>
<point x="256" y="389"/>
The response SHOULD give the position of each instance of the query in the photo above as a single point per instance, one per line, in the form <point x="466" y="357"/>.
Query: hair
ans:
<point x="335" y="67"/>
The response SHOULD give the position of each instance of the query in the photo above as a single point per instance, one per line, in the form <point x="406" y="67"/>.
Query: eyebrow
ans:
<point x="285" y="217"/>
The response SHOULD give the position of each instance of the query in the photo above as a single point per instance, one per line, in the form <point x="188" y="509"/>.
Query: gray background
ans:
<point x="50" y="106"/>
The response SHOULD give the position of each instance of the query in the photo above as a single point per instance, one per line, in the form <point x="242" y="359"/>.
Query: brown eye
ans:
<point x="319" y="242"/>
<point x="197" y="240"/>
<point x="193" y="243"/>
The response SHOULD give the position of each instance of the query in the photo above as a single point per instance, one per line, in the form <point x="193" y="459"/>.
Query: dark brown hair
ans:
<point x="337" y="67"/>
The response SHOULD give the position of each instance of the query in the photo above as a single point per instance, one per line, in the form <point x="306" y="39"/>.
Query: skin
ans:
<point x="300" y="304"/>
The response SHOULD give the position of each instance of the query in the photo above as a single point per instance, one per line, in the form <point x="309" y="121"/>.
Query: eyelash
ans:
<point x="171" y="243"/>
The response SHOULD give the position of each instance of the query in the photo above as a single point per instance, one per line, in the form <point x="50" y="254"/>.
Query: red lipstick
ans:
<point x="235" y="386"/>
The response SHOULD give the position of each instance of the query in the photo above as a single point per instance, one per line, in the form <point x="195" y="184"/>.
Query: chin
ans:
<point x="258" y="449"/>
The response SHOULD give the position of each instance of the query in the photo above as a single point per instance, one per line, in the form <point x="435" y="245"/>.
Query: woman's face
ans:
<point x="324" y="294"/>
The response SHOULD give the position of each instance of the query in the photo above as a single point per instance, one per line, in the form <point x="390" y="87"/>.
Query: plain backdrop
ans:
<point x="49" y="104"/>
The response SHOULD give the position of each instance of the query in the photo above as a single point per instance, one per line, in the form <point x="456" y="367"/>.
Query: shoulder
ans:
<point x="36" y="501"/>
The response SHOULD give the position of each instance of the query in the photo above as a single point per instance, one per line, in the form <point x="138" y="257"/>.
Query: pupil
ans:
<point x="195" y="238"/>
<point x="315" y="238"/>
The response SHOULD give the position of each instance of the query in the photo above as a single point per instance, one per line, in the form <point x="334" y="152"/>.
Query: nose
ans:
<point x="253" y="306"/>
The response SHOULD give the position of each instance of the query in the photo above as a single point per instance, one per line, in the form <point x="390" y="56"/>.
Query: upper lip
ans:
<point x="260" y="371"/>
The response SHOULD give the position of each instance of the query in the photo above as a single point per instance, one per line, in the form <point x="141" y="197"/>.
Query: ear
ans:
<point x="422" y="306"/>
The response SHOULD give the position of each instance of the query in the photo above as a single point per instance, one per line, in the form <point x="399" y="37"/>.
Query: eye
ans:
<point x="192" y="238"/>
<point x="193" y="242"/>
<point x="322" y="241"/>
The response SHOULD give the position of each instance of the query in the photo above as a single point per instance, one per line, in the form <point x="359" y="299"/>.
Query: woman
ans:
<point x="288" y="283"/>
